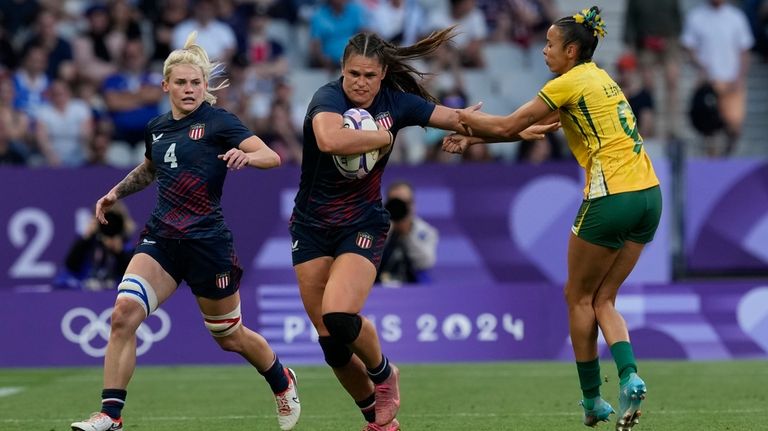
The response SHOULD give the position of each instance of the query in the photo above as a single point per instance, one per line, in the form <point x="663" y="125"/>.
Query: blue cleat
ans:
<point x="631" y="395"/>
<point x="599" y="413"/>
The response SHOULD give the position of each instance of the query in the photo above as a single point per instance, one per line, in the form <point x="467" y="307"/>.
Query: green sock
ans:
<point x="625" y="360"/>
<point x="589" y="378"/>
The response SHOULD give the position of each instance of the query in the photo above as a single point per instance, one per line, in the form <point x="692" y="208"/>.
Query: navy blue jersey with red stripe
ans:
<point x="326" y="198"/>
<point x="190" y="176"/>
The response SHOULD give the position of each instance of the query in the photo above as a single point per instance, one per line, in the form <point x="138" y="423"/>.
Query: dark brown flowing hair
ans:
<point x="400" y="74"/>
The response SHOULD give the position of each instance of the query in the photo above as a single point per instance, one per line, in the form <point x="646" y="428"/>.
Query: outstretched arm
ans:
<point x="458" y="143"/>
<point x="448" y="118"/>
<point x="138" y="179"/>
<point x="505" y="127"/>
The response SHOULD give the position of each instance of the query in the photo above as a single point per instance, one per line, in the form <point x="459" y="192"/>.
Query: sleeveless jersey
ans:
<point x="601" y="131"/>
<point x="190" y="176"/>
<point x="325" y="197"/>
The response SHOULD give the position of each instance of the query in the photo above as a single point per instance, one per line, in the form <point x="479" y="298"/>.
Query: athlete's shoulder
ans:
<point x="328" y="97"/>
<point x="159" y="121"/>
<point x="330" y="89"/>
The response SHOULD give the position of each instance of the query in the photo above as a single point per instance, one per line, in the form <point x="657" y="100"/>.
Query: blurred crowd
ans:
<point x="79" y="79"/>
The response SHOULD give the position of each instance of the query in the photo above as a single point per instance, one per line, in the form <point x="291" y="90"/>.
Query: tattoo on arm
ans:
<point x="136" y="180"/>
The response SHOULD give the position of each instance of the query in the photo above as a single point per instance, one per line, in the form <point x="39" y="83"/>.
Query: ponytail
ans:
<point x="194" y="54"/>
<point x="583" y="29"/>
<point x="400" y="74"/>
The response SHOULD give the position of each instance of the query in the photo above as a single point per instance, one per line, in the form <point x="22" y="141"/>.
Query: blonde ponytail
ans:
<point x="194" y="54"/>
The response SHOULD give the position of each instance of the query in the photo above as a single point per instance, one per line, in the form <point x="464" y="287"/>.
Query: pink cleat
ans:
<point x="388" y="399"/>
<point x="392" y="426"/>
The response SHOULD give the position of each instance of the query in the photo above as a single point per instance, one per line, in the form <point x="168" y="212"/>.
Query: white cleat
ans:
<point x="98" y="422"/>
<point x="288" y="405"/>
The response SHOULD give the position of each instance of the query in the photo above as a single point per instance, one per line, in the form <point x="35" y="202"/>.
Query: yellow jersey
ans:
<point x="601" y="130"/>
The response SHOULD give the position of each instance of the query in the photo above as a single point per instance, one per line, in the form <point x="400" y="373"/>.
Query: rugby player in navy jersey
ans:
<point x="339" y="225"/>
<point x="188" y="152"/>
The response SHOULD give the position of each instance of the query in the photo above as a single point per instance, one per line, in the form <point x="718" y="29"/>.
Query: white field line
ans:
<point x="10" y="390"/>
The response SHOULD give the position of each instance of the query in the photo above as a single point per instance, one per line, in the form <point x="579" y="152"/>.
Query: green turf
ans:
<point x="519" y="396"/>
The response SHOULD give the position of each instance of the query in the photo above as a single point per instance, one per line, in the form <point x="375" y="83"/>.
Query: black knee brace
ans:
<point x="336" y="354"/>
<point x="343" y="327"/>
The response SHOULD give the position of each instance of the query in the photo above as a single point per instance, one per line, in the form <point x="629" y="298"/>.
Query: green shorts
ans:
<point x="613" y="219"/>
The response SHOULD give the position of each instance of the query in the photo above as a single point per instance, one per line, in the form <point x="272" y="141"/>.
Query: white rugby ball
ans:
<point x="357" y="166"/>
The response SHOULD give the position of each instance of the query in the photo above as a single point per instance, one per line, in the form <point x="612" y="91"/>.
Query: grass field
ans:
<point x="519" y="396"/>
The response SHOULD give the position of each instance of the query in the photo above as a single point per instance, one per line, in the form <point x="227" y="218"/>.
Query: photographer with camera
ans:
<point x="411" y="247"/>
<point x="98" y="258"/>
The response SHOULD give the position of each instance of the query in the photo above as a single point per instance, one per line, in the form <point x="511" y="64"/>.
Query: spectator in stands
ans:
<point x="476" y="154"/>
<point x="236" y="97"/>
<point x="91" y="94"/>
<point x="757" y="11"/>
<point x="98" y="258"/>
<point x="58" y="49"/>
<point x="652" y="33"/>
<point x="523" y="22"/>
<point x="281" y="135"/>
<point x="170" y="14"/>
<point x="64" y="127"/>
<point x="237" y="15"/>
<point x="638" y="96"/>
<point x="331" y="26"/>
<point x="132" y="94"/>
<point x="98" y="148"/>
<point x="410" y="250"/>
<point x="217" y="38"/>
<point x="397" y="21"/>
<point x="282" y="96"/>
<point x="471" y="29"/>
<point x="124" y="23"/>
<point x="537" y="151"/>
<point x="95" y="52"/>
<point x="15" y="122"/>
<point x="8" y="55"/>
<point x="265" y="57"/>
<point x="11" y="153"/>
<point x="16" y="14"/>
<point x="719" y="39"/>
<point x="30" y="81"/>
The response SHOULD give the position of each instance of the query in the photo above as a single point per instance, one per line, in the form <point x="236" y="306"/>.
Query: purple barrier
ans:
<point x="416" y="324"/>
<point x="726" y="216"/>
<point x="44" y="208"/>
<point x="498" y="223"/>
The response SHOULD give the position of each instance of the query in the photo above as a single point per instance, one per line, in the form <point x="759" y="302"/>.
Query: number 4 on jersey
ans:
<point x="170" y="156"/>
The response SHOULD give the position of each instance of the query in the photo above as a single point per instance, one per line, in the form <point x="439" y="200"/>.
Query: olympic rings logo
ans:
<point x="98" y="326"/>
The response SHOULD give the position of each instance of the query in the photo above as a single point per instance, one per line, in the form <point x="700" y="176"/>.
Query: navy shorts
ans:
<point x="309" y="242"/>
<point x="208" y="265"/>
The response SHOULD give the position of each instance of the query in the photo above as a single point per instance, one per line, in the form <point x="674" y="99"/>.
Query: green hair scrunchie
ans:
<point x="592" y="20"/>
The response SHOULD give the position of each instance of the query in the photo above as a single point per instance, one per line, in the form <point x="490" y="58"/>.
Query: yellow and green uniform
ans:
<point x="601" y="131"/>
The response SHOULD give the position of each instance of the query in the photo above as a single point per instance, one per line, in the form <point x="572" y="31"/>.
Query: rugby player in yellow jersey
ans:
<point x="621" y="207"/>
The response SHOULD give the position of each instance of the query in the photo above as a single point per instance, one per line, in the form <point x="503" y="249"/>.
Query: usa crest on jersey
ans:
<point x="385" y="120"/>
<point x="222" y="280"/>
<point x="364" y="240"/>
<point x="196" y="131"/>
